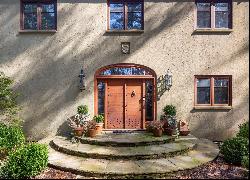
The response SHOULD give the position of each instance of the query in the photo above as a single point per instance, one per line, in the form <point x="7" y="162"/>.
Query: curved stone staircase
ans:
<point x="130" y="155"/>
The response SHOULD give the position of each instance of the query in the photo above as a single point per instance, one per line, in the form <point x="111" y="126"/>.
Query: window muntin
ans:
<point x="125" y="15"/>
<point x="214" y="14"/>
<point x="213" y="90"/>
<point x="125" y="71"/>
<point x="38" y="15"/>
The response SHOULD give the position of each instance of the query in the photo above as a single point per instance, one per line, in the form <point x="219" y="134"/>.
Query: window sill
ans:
<point x="214" y="30"/>
<point x="124" y="31"/>
<point x="37" y="31"/>
<point x="213" y="107"/>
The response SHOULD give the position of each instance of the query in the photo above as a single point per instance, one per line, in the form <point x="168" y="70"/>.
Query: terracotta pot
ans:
<point x="99" y="128"/>
<point x="92" y="133"/>
<point x="170" y="131"/>
<point x="184" y="133"/>
<point x="157" y="132"/>
<point x="78" y="131"/>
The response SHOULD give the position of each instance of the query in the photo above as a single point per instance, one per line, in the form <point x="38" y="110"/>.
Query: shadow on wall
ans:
<point x="48" y="77"/>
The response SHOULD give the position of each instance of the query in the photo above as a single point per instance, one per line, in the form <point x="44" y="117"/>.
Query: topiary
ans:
<point x="245" y="162"/>
<point x="83" y="109"/>
<point x="169" y="110"/>
<point x="235" y="149"/>
<point x="10" y="137"/>
<point x="98" y="118"/>
<point x="244" y="130"/>
<point x="26" y="161"/>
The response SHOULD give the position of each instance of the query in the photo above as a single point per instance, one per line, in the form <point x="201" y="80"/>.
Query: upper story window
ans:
<point x="38" y="14"/>
<point x="213" y="90"/>
<point x="214" y="14"/>
<point x="125" y="15"/>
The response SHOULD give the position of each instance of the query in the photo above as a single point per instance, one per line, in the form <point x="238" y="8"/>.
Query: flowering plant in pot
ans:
<point x="170" y="118"/>
<point x="91" y="128"/>
<point x="99" y="122"/>
<point x="157" y="128"/>
<point x="79" y="122"/>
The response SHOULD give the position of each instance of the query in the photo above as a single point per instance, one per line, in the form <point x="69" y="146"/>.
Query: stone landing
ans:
<point x="149" y="160"/>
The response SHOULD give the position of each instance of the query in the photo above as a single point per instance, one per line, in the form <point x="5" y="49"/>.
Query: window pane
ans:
<point x="30" y="21"/>
<point x="203" y="83"/>
<point x="125" y="71"/>
<point x="203" y="6"/>
<point x="48" y="21"/>
<point x="221" y="91"/>
<point x="116" y="7"/>
<point x="101" y="97"/>
<point x="203" y="91"/>
<point x="149" y="100"/>
<point x="134" y="7"/>
<point x="203" y="19"/>
<point x="48" y="8"/>
<point x="134" y="21"/>
<point x="29" y="8"/>
<point x="116" y="21"/>
<point x="221" y="20"/>
<point x="221" y="7"/>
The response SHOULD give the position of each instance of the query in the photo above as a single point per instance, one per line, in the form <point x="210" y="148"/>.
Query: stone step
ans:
<point x="109" y="152"/>
<point x="128" y="139"/>
<point x="204" y="152"/>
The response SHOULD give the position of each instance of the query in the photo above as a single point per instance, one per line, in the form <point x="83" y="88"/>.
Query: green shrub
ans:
<point x="83" y="109"/>
<point x="10" y="137"/>
<point x="234" y="149"/>
<point x="245" y="162"/>
<point x="244" y="130"/>
<point x="98" y="118"/>
<point x="169" y="110"/>
<point x="26" y="161"/>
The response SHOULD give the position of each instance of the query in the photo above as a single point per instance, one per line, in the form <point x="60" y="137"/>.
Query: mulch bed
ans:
<point x="217" y="169"/>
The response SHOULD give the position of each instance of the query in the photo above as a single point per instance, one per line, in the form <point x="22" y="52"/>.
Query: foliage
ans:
<point x="98" y="118"/>
<point x="26" y="161"/>
<point x="245" y="161"/>
<point x="149" y="126"/>
<point x="8" y="104"/>
<point x="235" y="149"/>
<point x="157" y="125"/>
<point x="79" y="119"/>
<point x="10" y="137"/>
<point x="169" y="110"/>
<point x="91" y="124"/>
<point x="244" y="130"/>
<point x="83" y="109"/>
<point x="172" y="122"/>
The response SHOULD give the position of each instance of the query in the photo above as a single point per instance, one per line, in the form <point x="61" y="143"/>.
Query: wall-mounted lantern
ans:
<point x="82" y="80"/>
<point x="168" y="80"/>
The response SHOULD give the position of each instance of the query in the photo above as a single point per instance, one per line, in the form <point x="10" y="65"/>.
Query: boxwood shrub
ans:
<point x="10" y="137"/>
<point x="244" y="130"/>
<point x="235" y="149"/>
<point x="26" y="161"/>
<point x="245" y="162"/>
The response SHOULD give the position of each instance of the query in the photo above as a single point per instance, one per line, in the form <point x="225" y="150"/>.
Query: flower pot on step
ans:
<point x="170" y="131"/>
<point x="184" y="133"/>
<point x="157" y="132"/>
<point x="92" y="133"/>
<point x="99" y="128"/>
<point x="78" y="131"/>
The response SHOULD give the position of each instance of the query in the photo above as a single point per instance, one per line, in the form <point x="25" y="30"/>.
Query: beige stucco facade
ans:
<point x="45" y="66"/>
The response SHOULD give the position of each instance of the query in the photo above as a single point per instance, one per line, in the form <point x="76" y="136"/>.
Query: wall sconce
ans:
<point x="82" y="80"/>
<point x="168" y="80"/>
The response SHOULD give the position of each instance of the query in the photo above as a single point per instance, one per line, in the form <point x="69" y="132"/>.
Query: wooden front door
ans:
<point x="124" y="104"/>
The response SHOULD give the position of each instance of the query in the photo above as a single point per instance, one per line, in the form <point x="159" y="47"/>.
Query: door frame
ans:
<point x="104" y="78"/>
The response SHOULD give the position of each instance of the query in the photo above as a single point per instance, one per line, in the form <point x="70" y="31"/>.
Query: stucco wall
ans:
<point x="45" y="66"/>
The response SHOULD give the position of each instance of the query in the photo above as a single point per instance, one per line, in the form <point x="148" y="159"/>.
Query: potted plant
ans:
<point x="157" y="128"/>
<point x="183" y="128"/>
<point x="149" y="126"/>
<point x="91" y="128"/>
<point x="99" y="123"/>
<point x="79" y="121"/>
<point x="170" y="127"/>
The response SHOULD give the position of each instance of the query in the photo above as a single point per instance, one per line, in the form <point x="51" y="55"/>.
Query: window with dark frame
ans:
<point x="214" y="14"/>
<point x="38" y="14"/>
<point x="213" y="90"/>
<point x="125" y="15"/>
